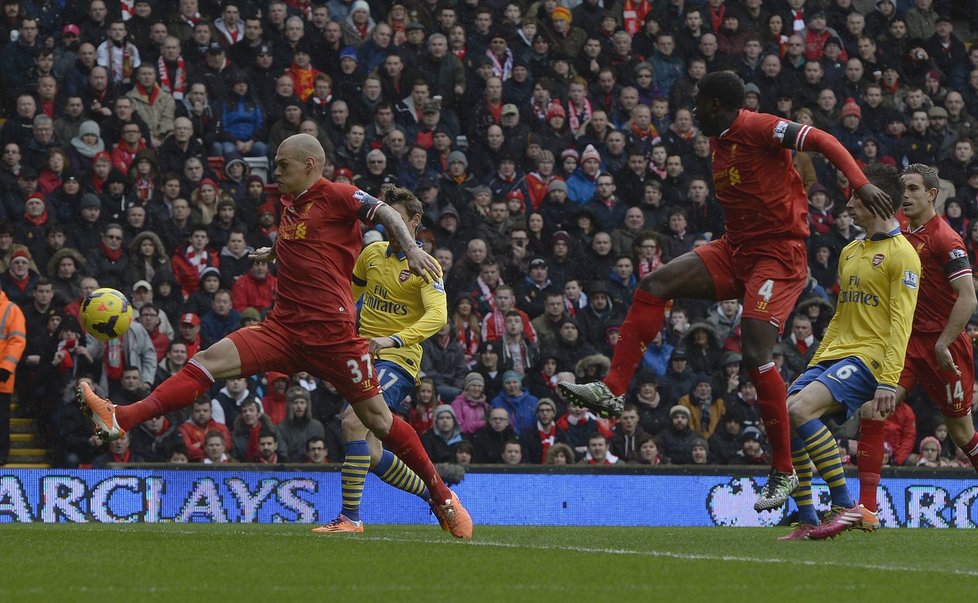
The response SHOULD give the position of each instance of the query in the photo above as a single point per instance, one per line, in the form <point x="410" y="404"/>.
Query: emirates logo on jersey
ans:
<point x="878" y="259"/>
<point x="405" y="275"/>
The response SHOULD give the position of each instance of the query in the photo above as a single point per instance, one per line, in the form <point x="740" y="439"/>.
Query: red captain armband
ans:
<point x="367" y="205"/>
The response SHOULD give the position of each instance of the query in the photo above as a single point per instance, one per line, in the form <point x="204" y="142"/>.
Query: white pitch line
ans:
<point x="684" y="556"/>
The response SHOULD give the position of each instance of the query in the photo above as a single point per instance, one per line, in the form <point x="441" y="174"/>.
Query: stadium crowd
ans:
<point x="555" y="150"/>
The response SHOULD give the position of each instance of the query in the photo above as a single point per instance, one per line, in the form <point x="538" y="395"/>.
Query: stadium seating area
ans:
<point x="555" y="150"/>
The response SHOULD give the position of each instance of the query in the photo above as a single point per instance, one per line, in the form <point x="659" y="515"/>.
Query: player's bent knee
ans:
<point x="375" y="416"/>
<point x="221" y="360"/>
<point x="800" y="410"/>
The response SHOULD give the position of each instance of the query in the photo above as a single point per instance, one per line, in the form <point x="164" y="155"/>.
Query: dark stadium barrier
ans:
<point x="522" y="496"/>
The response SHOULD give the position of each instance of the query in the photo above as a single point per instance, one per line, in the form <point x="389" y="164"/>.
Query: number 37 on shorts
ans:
<point x="361" y="370"/>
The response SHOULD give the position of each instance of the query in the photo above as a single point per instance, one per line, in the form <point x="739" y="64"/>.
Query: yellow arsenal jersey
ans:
<point x="397" y="304"/>
<point x="879" y="278"/>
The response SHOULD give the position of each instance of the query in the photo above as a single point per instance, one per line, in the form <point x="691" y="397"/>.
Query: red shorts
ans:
<point x="948" y="391"/>
<point x="769" y="276"/>
<point x="344" y="362"/>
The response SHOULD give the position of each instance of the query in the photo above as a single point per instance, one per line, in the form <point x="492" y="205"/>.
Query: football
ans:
<point x="106" y="314"/>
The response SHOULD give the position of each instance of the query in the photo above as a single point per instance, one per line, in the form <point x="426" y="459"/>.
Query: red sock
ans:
<point x="971" y="449"/>
<point x="643" y="323"/>
<point x="772" y="397"/>
<point x="869" y="459"/>
<point x="175" y="393"/>
<point x="403" y="441"/>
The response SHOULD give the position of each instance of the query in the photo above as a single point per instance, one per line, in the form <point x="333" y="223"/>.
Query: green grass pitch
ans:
<point x="196" y="562"/>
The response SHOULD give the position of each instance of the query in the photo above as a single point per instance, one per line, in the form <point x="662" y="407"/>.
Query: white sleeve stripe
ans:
<point x="801" y="138"/>
<point x="959" y="274"/>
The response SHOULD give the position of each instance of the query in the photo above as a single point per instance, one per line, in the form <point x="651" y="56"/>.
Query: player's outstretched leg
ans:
<point x="807" y="519"/>
<point x="363" y="453"/>
<point x="403" y="441"/>
<point x="641" y="325"/>
<point x="177" y="392"/>
<point x="686" y="276"/>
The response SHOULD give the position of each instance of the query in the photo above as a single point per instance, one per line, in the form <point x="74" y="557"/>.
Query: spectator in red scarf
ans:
<point x="18" y="281"/>
<point x="190" y="262"/>
<point x="537" y="439"/>
<point x="251" y="422"/>
<point x="598" y="452"/>
<point x="118" y="452"/>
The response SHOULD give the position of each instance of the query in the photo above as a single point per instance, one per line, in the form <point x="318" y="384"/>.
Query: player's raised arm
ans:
<point x="418" y="261"/>
<point x="801" y="137"/>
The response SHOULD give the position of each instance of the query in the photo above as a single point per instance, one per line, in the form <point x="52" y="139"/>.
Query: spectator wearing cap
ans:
<point x="491" y="364"/>
<point x="678" y="380"/>
<point x="705" y="408"/>
<point x="34" y="221"/>
<point x="571" y="345"/>
<point x="555" y="208"/>
<point x="357" y="24"/>
<point x="542" y="433"/>
<point x="241" y="121"/>
<point x="85" y="146"/>
<point x="530" y="292"/>
<point x="677" y="440"/>
<point x="657" y="355"/>
<point x="19" y="279"/>
<point x="851" y="132"/>
<point x="568" y="39"/>
<point x="456" y="185"/>
<point x="188" y="333"/>
<point x="582" y="183"/>
<point x="725" y="442"/>
<point x="471" y="405"/>
<point x="752" y="448"/>
<point x="942" y="135"/>
<point x="650" y="402"/>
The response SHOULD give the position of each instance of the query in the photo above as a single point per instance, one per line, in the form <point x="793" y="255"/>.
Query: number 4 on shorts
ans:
<point x="767" y="290"/>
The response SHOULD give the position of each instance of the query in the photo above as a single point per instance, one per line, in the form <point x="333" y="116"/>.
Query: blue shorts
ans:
<point x="395" y="383"/>
<point x="849" y="380"/>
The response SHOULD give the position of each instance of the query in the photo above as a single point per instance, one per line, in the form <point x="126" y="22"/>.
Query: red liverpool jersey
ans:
<point x="943" y="259"/>
<point x="318" y="244"/>
<point x="756" y="183"/>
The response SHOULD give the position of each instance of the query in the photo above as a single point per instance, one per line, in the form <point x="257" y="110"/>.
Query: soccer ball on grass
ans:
<point x="106" y="314"/>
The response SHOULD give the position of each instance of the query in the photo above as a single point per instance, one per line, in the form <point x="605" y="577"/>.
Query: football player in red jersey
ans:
<point x="312" y="326"/>
<point x="761" y="257"/>
<point x="940" y="356"/>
